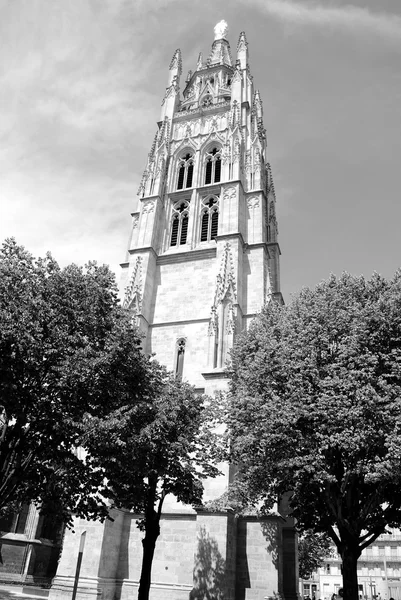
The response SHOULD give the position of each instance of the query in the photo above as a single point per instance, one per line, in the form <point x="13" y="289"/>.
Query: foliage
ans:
<point x="316" y="410"/>
<point x="162" y="445"/>
<point x="313" y="550"/>
<point x="66" y="349"/>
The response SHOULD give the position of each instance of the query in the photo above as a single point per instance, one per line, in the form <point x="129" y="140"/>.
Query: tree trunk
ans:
<point x="350" y="555"/>
<point x="152" y="531"/>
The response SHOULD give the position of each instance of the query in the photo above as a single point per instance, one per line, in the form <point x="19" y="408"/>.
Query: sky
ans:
<point x="81" y="84"/>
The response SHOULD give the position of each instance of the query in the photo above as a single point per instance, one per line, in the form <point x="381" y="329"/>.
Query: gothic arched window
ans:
<point x="185" y="171"/>
<point x="209" y="219"/>
<point x="213" y="166"/>
<point x="179" y="223"/>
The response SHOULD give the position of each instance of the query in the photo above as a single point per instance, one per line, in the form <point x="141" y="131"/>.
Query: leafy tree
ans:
<point x="66" y="349"/>
<point x="316" y="411"/>
<point x="313" y="550"/>
<point x="162" y="445"/>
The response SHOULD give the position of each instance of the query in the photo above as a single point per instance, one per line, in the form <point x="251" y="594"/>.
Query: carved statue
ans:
<point x="221" y="30"/>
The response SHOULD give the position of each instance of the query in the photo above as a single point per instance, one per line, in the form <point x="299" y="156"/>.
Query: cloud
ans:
<point x="349" y="17"/>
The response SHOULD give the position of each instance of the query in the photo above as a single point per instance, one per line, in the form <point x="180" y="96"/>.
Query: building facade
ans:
<point x="379" y="572"/>
<point x="202" y="260"/>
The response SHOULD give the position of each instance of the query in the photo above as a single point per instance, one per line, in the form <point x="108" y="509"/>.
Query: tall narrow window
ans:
<point x="185" y="172"/>
<point x="213" y="166"/>
<point x="209" y="219"/>
<point x="184" y="229"/>
<point x="174" y="230"/>
<point x="179" y="223"/>
<point x="179" y="362"/>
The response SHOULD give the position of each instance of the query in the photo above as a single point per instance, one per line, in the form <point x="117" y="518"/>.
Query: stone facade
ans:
<point x="202" y="260"/>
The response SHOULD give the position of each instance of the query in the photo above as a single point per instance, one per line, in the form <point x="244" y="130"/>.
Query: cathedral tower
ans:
<point x="202" y="260"/>
<point x="203" y="255"/>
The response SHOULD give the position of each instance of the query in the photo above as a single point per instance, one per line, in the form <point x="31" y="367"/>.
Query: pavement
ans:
<point x="20" y="592"/>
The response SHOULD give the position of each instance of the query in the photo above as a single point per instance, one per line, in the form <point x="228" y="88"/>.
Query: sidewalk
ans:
<point x="20" y="592"/>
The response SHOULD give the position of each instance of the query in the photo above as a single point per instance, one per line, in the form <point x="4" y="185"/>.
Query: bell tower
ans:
<point x="203" y="255"/>
<point x="202" y="260"/>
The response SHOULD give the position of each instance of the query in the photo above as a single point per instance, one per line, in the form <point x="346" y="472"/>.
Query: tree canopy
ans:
<point x="66" y="350"/>
<point x="316" y="410"/>
<point x="163" y="445"/>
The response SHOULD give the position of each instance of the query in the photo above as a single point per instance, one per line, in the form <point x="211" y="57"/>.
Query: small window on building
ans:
<point x="213" y="166"/>
<point x="185" y="172"/>
<point x="15" y="522"/>
<point x="179" y="362"/>
<point x="209" y="219"/>
<point x="179" y="223"/>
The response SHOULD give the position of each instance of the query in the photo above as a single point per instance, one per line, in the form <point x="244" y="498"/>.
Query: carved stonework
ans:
<point x="148" y="206"/>
<point x="272" y="220"/>
<point x="242" y="43"/>
<point x="214" y="124"/>
<point x="213" y="322"/>
<point x="230" y="328"/>
<point x="237" y="152"/>
<point x="229" y="194"/>
<point x="225" y="283"/>
<point x="225" y="154"/>
<point x="176" y="61"/>
<point x="248" y="164"/>
<point x="135" y="221"/>
<point x="133" y="291"/>
<point x="253" y="202"/>
<point x="225" y="293"/>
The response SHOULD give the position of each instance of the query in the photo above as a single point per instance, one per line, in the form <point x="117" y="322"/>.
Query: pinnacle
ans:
<point x="199" y="64"/>
<point x="256" y="97"/>
<point x="176" y="61"/>
<point x="242" y="41"/>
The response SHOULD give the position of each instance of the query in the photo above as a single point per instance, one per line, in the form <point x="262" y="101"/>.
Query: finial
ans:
<point x="221" y="30"/>
<point x="242" y="43"/>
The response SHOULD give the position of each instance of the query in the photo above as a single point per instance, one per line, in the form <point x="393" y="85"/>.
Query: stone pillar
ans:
<point x="99" y="560"/>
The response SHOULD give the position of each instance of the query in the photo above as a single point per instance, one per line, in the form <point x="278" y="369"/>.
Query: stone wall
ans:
<point x="198" y="555"/>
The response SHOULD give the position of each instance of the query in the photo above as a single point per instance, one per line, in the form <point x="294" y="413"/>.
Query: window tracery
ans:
<point x="179" y="223"/>
<point x="213" y="166"/>
<point x="207" y="100"/>
<point x="185" y="171"/>
<point x="209" y="219"/>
